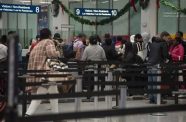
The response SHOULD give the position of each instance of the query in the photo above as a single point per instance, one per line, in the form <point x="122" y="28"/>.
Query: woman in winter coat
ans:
<point x="176" y="51"/>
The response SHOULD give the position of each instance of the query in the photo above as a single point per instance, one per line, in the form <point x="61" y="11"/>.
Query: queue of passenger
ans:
<point x="141" y="49"/>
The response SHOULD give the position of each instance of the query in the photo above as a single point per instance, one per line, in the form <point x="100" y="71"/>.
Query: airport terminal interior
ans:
<point x="92" y="60"/>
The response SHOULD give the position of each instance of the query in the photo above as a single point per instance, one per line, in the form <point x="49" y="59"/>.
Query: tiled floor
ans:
<point x="70" y="107"/>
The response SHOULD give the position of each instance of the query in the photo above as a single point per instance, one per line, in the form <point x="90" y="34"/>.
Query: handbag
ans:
<point x="54" y="65"/>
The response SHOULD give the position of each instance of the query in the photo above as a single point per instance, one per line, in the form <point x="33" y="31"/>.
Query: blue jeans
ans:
<point x="153" y="70"/>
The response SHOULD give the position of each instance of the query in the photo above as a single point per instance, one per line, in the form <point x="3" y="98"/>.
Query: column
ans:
<point x="149" y="18"/>
<point x="62" y="19"/>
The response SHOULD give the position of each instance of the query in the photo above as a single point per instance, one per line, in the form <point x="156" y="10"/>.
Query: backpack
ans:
<point x="68" y="51"/>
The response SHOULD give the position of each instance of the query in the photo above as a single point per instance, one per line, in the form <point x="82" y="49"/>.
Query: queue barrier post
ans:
<point x="11" y="111"/>
<point x="123" y="97"/>
<point x="108" y="99"/>
<point x="159" y="88"/>
<point x="123" y="101"/>
<point x="78" y="100"/>
<point x="24" y="101"/>
<point x="96" y="88"/>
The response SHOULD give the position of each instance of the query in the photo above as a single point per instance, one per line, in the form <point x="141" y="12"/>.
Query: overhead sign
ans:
<point x="43" y="18"/>
<point x="95" y="12"/>
<point x="15" y="8"/>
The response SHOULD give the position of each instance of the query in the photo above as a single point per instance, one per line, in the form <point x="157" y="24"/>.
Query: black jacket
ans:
<point x="158" y="52"/>
<point x="110" y="52"/>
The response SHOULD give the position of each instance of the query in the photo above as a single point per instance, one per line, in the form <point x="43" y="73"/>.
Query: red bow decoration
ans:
<point x="62" y="8"/>
<point x="132" y="2"/>
<point x="158" y="3"/>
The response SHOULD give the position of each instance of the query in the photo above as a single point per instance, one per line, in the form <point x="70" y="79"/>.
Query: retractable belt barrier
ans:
<point x="112" y="79"/>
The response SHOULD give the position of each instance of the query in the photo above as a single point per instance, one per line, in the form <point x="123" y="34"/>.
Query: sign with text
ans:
<point x="95" y="12"/>
<point x="16" y="8"/>
<point x="43" y="18"/>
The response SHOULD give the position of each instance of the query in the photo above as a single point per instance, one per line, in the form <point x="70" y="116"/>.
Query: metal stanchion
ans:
<point x="158" y="95"/>
<point x="123" y="97"/>
<point x="117" y="88"/>
<point x="108" y="99"/>
<point x="123" y="101"/>
<point x="11" y="113"/>
<point x="117" y="78"/>
<point x="159" y="87"/>
<point x="24" y="101"/>
<point x="78" y="100"/>
<point x="96" y="89"/>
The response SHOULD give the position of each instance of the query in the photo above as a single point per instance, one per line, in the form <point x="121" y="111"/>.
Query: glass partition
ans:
<point x="77" y="26"/>
<point x="88" y="29"/>
<point x="168" y="18"/>
<point x="183" y="17"/>
<point x="101" y="30"/>
<point x="24" y="24"/>
<point x="135" y="20"/>
<point x="120" y="26"/>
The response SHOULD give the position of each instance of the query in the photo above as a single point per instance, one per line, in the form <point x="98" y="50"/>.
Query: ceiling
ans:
<point x="39" y="2"/>
<point x="33" y="1"/>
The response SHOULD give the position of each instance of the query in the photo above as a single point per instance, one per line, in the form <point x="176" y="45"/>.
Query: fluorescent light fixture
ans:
<point x="25" y="1"/>
<point x="43" y="2"/>
<point x="105" y="2"/>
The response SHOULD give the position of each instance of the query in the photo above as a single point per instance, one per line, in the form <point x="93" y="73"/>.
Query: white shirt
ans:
<point x="3" y="51"/>
<point x="94" y="53"/>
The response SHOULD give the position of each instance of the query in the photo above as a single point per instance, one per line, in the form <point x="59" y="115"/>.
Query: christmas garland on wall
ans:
<point x="124" y="10"/>
<point x="143" y="4"/>
<point x="171" y="5"/>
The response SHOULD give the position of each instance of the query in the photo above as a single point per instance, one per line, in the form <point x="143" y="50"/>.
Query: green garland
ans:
<point x="171" y="5"/>
<point x="124" y="10"/>
<point x="143" y="3"/>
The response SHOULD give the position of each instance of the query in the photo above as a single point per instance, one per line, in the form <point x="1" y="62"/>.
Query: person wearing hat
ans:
<point x="58" y="41"/>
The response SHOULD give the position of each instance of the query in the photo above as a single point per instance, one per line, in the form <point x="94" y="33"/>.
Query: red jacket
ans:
<point x="33" y="45"/>
<point x="177" y="53"/>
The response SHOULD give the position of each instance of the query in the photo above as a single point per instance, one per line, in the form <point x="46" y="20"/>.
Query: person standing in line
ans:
<point x="35" y="42"/>
<point x="79" y="46"/>
<point x="166" y="42"/>
<point x="3" y="48"/>
<point x="138" y="46"/>
<point x="146" y="40"/>
<point x="3" y="76"/>
<point x="176" y="53"/>
<point x="59" y="43"/>
<point x="94" y="52"/>
<point x="179" y="36"/>
<point x="157" y="55"/>
<point x="110" y="52"/>
<point x="119" y="45"/>
<point x="106" y="36"/>
<point x="13" y="34"/>
<point x="44" y="50"/>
